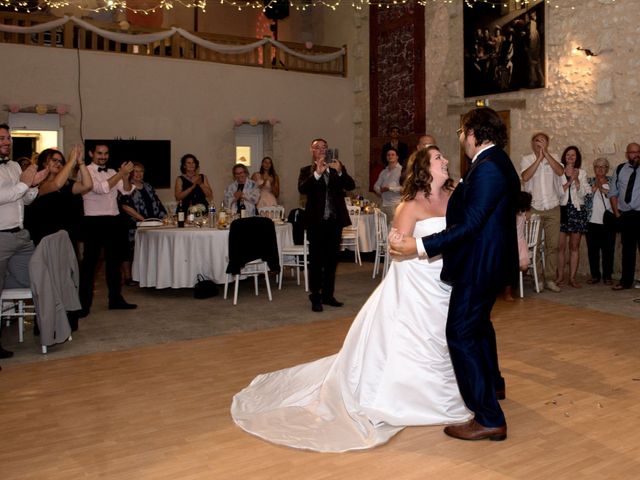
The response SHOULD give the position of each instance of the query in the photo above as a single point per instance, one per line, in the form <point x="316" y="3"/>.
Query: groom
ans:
<point x="479" y="250"/>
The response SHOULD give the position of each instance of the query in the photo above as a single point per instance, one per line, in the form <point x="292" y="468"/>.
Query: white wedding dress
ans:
<point x="393" y="371"/>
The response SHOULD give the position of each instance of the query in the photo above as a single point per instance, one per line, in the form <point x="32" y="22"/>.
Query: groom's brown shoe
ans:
<point x="472" y="430"/>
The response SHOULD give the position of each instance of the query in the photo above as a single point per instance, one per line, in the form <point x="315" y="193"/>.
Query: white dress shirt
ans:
<point x="389" y="178"/>
<point x="14" y="195"/>
<point x="102" y="200"/>
<point x="544" y="186"/>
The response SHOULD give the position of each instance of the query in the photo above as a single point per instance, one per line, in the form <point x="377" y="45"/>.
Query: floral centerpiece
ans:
<point x="198" y="210"/>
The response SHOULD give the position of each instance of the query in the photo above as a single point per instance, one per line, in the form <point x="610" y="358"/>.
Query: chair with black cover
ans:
<point x="253" y="251"/>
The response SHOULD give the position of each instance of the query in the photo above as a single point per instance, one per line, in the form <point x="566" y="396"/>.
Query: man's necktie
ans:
<point x="632" y="179"/>
<point x="102" y="169"/>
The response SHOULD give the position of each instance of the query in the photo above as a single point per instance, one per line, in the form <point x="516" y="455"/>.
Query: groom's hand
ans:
<point x="403" y="247"/>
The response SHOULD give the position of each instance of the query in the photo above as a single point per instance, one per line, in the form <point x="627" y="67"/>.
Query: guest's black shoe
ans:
<point x="332" y="302"/>
<point x="5" y="353"/>
<point x="316" y="307"/>
<point x="122" y="305"/>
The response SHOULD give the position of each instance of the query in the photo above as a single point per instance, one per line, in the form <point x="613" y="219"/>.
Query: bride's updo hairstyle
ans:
<point x="419" y="177"/>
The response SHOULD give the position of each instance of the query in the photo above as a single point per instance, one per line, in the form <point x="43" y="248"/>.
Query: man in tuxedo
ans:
<point x="104" y="229"/>
<point x="479" y="251"/>
<point x="324" y="182"/>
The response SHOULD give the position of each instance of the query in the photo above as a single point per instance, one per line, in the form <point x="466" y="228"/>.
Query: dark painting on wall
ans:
<point x="504" y="47"/>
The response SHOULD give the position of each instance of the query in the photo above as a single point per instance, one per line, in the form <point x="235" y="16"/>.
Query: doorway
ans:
<point x="33" y="133"/>
<point x="253" y="143"/>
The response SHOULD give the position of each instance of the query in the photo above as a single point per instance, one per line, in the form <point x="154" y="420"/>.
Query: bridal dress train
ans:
<point x="393" y="371"/>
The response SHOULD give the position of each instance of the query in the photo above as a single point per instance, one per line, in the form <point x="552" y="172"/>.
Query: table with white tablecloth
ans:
<point x="169" y="257"/>
<point x="366" y="232"/>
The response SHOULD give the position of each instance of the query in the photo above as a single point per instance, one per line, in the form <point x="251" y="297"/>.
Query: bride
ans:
<point x="393" y="369"/>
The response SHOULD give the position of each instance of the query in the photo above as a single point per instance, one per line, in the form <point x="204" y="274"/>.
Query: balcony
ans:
<point x="84" y="34"/>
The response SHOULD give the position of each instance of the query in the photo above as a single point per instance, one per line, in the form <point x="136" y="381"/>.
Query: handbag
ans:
<point x="204" y="288"/>
<point x="609" y="219"/>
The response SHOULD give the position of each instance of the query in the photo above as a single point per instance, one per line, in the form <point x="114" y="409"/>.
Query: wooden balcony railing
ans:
<point x="71" y="35"/>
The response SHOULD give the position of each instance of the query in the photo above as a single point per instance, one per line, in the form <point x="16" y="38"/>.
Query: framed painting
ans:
<point x="504" y="47"/>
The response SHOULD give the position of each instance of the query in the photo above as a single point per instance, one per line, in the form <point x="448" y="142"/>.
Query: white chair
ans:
<point x="250" y="263"/>
<point x="350" y="235"/>
<point x="254" y="269"/>
<point x="295" y="256"/>
<point x="13" y="302"/>
<point x="382" y="246"/>
<point x="532" y="230"/>
<point x="275" y="212"/>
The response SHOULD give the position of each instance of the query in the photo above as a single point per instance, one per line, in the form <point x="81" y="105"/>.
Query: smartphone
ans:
<point x="329" y="156"/>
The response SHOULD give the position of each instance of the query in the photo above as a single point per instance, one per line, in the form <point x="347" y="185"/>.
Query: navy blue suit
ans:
<point x="480" y="256"/>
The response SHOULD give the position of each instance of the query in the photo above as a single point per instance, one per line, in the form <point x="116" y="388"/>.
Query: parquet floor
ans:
<point x="162" y="412"/>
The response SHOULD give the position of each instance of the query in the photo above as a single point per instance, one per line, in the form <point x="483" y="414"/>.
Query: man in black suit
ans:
<point x="401" y="147"/>
<point x="324" y="182"/>
<point x="479" y="252"/>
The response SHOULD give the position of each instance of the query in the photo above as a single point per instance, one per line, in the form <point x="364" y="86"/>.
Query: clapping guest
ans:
<point x="573" y="214"/>
<point x="600" y="238"/>
<point x="242" y="193"/>
<point x="388" y="184"/>
<point x="24" y="162"/>
<point x="141" y="204"/>
<point x="58" y="205"/>
<point x="268" y="182"/>
<point x="192" y="187"/>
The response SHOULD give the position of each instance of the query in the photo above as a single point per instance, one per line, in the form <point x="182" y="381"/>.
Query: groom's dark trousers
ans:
<point x="480" y="256"/>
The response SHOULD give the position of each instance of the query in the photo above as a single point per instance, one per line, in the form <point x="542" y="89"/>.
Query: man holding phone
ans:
<point x="324" y="182"/>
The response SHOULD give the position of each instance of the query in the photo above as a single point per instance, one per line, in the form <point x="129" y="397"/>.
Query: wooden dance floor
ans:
<point x="162" y="412"/>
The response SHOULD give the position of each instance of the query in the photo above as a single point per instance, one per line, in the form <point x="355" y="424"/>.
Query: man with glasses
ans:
<point x="17" y="189"/>
<point x="479" y="251"/>
<point x="542" y="175"/>
<point x="324" y="182"/>
<point x="624" y="193"/>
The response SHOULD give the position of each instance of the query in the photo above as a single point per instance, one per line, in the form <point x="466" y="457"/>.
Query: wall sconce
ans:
<point x="587" y="52"/>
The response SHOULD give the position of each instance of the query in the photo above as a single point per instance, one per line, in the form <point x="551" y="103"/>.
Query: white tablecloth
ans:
<point x="167" y="257"/>
<point x="366" y="232"/>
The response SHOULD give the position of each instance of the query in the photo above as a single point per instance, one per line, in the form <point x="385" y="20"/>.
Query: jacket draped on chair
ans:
<point x="54" y="275"/>
<point x="250" y="239"/>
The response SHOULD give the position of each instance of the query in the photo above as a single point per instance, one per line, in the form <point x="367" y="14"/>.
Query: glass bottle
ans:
<point x="180" y="213"/>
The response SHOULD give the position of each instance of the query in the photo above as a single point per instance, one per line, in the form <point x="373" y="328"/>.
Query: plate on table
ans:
<point x="151" y="223"/>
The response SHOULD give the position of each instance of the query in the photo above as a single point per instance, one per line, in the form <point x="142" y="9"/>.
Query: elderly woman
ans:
<point x="573" y="214"/>
<point x="143" y="203"/>
<point x="192" y="187"/>
<point x="600" y="239"/>
<point x="59" y="202"/>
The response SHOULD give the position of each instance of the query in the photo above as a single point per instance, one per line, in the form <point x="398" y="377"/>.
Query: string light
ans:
<point x="300" y="5"/>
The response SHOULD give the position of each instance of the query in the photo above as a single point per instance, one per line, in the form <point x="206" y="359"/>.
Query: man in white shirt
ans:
<point x="17" y="189"/>
<point x="388" y="184"/>
<point x="542" y="177"/>
<point x="103" y="229"/>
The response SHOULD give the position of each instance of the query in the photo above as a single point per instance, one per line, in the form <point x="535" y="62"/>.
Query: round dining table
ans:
<point x="170" y="257"/>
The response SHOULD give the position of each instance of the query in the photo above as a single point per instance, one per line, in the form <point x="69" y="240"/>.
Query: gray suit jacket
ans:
<point x="54" y="275"/>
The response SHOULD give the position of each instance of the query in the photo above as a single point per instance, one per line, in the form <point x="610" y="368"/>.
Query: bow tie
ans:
<point x="102" y="169"/>
<point x="3" y="161"/>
